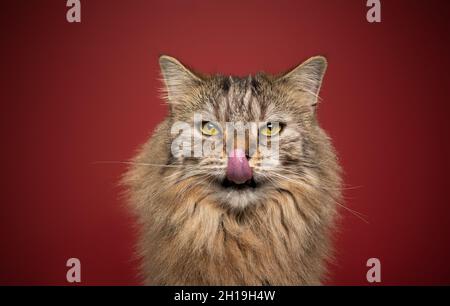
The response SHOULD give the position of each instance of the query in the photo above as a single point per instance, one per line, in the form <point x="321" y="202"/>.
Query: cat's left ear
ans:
<point x="307" y="77"/>
<point x="179" y="80"/>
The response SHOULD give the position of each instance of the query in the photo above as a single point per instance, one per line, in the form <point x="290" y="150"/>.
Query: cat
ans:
<point x="234" y="219"/>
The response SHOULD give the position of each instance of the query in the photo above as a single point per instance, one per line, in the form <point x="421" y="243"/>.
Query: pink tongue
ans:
<point x="238" y="169"/>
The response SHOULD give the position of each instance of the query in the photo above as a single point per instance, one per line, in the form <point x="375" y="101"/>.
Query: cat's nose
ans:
<point x="238" y="168"/>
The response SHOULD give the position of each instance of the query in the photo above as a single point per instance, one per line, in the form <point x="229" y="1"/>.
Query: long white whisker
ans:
<point x="137" y="163"/>
<point x="354" y="212"/>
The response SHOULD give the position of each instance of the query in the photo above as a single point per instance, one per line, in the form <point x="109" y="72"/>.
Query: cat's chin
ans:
<point x="250" y="184"/>
<point x="239" y="196"/>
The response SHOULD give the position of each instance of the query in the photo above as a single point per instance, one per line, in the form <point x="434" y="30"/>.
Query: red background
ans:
<point x="74" y="94"/>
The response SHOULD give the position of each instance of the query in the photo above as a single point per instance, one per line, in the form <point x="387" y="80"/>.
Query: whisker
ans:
<point x="354" y="212"/>
<point x="159" y="165"/>
<point x="137" y="163"/>
<point x="345" y="186"/>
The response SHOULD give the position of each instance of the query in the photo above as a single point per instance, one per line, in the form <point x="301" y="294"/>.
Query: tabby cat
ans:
<point x="237" y="216"/>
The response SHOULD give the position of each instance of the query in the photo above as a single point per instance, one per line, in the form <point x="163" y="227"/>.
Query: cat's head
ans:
<point x="243" y="136"/>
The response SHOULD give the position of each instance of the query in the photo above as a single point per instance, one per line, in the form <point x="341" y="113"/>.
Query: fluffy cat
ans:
<point x="233" y="219"/>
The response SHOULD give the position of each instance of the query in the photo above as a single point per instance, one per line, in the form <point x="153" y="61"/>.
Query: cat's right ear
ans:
<point x="178" y="80"/>
<point x="307" y="77"/>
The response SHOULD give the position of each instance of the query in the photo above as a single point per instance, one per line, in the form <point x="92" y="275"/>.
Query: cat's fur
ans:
<point x="196" y="232"/>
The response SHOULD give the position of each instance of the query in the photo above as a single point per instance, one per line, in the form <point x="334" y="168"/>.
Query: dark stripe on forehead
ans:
<point x="256" y="85"/>
<point x="238" y="103"/>
<point x="249" y="91"/>
<point x="240" y="99"/>
<point x="259" y="84"/>
<point x="225" y="84"/>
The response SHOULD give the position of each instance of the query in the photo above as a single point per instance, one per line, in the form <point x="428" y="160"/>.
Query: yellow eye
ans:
<point x="271" y="129"/>
<point x="209" y="128"/>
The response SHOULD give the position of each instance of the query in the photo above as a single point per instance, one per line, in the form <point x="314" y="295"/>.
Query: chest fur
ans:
<point x="280" y="241"/>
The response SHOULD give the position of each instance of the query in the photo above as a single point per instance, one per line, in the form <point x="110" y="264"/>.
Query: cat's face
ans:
<point x="241" y="137"/>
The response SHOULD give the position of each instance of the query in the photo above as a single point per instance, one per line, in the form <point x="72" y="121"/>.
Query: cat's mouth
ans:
<point x="250" y="184"/>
